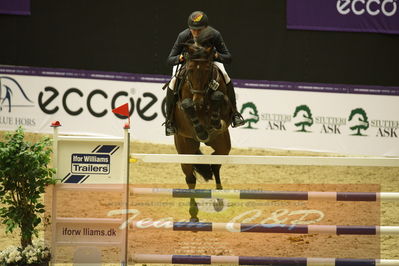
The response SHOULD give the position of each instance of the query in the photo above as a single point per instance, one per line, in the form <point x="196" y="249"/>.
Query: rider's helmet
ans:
<point x="197" y="20"/>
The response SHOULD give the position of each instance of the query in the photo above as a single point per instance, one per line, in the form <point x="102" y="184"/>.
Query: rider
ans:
<point x="197" y="22"/>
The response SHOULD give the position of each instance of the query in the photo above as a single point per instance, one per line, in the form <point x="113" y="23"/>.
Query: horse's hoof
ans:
<point x="218" y="205"/>
<point x="216" y="125"/>
<point x="222" y="126"/>
<point x="203" y="137"/>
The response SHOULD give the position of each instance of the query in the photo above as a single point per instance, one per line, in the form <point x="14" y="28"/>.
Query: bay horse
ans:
<point x="202" y="115"/>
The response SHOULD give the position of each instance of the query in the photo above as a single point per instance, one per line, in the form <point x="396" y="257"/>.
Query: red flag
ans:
<point x="122" y="110"/>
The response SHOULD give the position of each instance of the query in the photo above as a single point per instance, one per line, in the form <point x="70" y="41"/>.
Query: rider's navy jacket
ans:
<point x="185" y="37"/>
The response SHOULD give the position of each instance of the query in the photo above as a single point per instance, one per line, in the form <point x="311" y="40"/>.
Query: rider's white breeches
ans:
<point x="218" y="64"/>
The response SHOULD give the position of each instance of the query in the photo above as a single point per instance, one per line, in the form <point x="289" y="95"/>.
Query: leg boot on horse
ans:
<point x="200" y="131"/>
<point x="237" y="119"/>
<point x="216" y="102"/>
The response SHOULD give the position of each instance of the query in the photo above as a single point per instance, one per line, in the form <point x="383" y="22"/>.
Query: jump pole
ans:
<point x="268" y="228"/>
<point x="265" y="160"/>
<point x="246" y="260"/>
<point x="265" y="195"/>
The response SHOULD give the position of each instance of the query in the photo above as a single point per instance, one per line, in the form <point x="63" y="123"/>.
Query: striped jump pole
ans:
<point x="269" y="228"/>
<point x="245" y="260"/>
<point x="266" y="195"/>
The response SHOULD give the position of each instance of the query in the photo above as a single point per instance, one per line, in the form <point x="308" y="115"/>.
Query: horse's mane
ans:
<point x="205" y="37"/>
<point x="198" y="52"/>
<point x="200" y="48"/>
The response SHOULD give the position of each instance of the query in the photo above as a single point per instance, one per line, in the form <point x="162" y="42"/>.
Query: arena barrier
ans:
<point x="265" y="195"/>
<point x="244" y="260"/>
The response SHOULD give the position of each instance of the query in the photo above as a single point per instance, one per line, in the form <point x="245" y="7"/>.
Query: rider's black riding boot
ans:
<point x="170" y="128"/>
<point x="237" y="119"/>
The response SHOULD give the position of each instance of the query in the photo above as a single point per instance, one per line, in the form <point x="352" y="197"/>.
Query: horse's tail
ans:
<point x="205" y="170"/>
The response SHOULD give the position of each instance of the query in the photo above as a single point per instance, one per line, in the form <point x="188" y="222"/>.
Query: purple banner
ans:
<point x="15" y="7"/>
<point x="381" y="16"/>
<point x="241" y="83"/>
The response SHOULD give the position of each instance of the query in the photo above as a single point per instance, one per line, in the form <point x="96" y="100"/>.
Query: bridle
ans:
<point x="211" y="69"/>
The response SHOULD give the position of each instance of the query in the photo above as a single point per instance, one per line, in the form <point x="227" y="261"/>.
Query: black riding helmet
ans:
<point x="197" y="20"/>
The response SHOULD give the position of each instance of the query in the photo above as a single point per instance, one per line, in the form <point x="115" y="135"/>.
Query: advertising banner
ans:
<point x="343" y="119"/>
<point x="381" y="16"/>
<point x="90" y="162"/>
<point x="15" y="7"/>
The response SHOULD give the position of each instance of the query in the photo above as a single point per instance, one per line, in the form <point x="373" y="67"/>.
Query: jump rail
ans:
<point x="265" y="160"/>
<point x="270" y="228"/>
<point x="266" y="195"/>
<point x="244" y="260"/>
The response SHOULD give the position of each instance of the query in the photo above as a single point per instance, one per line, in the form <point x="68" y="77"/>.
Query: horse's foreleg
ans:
<point x="216" y="101"/>
<point x="188" y="107"/>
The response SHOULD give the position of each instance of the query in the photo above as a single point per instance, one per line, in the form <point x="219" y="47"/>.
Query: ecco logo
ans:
<point x="372" y="7"/>
<point x="48" y="102"/>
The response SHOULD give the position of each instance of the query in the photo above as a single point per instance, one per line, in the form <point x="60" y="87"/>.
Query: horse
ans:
<point x="202" y="115"/>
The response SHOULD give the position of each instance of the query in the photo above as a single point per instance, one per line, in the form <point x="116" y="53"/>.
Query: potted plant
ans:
<point x="36" y="254"/>
<point x="24" y="175"/>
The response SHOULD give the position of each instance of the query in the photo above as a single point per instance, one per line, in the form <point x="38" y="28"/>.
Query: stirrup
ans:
<point x="169" y="128"/>
<point x="238" y="120"/>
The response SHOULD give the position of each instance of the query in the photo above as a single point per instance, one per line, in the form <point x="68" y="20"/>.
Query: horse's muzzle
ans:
<point x="198" y="101"/>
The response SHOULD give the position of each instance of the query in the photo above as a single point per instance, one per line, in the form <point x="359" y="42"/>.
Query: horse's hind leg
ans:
<point x="221" y="146"/>
<point x="188" y="146"/>
<point x="193" y="210"/>
<point x="191" y="181"/>
<point x="216" y="173"/>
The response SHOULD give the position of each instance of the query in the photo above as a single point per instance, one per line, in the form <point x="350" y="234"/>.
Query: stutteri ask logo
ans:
<point x="359" y="121"/>
<point x="304" y="117"/>
<point x="250" y="114"/>
<point x="12" y="94"/>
